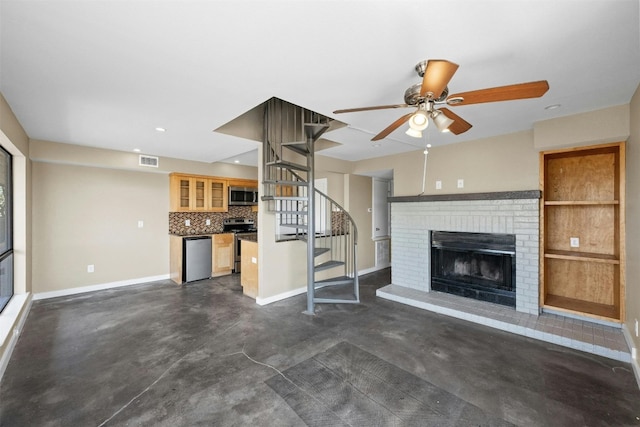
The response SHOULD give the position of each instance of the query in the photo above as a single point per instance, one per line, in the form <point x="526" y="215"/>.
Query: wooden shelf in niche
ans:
<point x="575" y="306"/>
<point x="581" y="202"/>
<point x="583" y="197"/>
<point x="582" y="256"/>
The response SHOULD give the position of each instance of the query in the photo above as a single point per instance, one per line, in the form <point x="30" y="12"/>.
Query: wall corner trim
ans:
<point x="12" y="321"/>
<point x="634" y="362"/>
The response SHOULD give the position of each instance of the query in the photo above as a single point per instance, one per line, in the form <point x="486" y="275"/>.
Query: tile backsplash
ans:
<point x="198" y="220"/>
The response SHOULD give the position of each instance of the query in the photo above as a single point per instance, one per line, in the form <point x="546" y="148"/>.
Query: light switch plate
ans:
<point x="140" y="224"/>
<point x="574" y="242"/>
<point x="208" y="221"/>
<point x="461" y="183"/>
<point x="187" y="222"/>
<point x="438" y="185"/>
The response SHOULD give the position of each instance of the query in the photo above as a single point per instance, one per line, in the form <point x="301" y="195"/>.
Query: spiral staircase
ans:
<point x="303" y="212"/>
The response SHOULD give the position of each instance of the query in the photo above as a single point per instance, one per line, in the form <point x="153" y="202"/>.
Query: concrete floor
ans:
<point x="203" y="354"/>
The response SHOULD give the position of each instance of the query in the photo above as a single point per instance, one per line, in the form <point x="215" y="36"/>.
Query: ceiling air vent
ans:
<point x="149" y="161"/>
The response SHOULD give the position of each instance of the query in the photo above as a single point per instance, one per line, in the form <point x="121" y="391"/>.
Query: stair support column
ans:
<point x="311" y="227"/>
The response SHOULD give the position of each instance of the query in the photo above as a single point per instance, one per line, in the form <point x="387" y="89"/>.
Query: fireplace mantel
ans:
<point x="497" y="195"/>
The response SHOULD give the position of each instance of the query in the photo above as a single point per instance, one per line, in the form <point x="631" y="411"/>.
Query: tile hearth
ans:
<point x="595" y="338"/>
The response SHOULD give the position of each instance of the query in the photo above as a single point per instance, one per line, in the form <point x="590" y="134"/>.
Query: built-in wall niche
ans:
<point x="582" y="229"/>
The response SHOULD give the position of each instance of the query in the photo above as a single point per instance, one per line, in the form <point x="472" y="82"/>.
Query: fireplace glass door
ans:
<point x="474" y="265"/>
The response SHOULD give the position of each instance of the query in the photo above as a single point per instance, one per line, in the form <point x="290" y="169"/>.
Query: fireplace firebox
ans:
<point x="481" y="266"/>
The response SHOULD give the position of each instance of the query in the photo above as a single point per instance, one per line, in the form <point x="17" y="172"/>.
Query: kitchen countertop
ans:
<point x="250" y="237"/>
<point x="200" y="234"/>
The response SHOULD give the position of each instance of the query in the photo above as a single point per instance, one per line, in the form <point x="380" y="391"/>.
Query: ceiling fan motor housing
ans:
<point x="412" y="95"/>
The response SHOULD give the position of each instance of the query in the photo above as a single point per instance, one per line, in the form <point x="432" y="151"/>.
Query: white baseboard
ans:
<point x="15" y="315"/>
<point x="633" y="350"/>
<point x="372" y="269"/>
<point x="98" y="287"/>
<point x="279" y="297"/>
<point x="303" y="290"/>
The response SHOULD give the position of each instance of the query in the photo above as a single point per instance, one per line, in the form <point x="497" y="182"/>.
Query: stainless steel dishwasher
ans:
<point x="196" y="261"/>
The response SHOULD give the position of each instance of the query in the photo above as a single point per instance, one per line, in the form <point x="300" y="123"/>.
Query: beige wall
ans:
<point x="593" y="127"/>
<point x="633" y="220"/>
<point x="55" y="152"/>
<point x="15" y="140"/>
<point x="502" y="163"/>
<point x="359" y="199"/>
<point x="86" y="215"/>
<point x="87" y="204"/>
<point x="335" y="185"/>
<point x="282" y="266"/>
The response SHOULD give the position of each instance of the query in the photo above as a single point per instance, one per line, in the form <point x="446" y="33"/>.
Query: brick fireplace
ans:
<point x="413" y="218"/>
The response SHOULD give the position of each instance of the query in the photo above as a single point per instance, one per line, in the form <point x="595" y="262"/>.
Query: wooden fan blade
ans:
<point x="459" y="124"/>
<point x="502" y="93"/>
<point x="436" y="77"/>
<point x="393" y="126"/>
<point x="377" y="107"/>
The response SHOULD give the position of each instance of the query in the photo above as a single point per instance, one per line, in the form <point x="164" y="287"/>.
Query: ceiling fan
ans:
<point x="433" y="92"/>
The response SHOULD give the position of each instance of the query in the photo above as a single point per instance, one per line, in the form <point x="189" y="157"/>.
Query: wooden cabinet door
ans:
<point x="180" y="193"/>
<point x="218" y="195"/>
<point x="199" y="196"/>
<point x="223" y="256"/>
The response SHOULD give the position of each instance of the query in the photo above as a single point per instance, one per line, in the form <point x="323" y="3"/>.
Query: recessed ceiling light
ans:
<point x="236" y="161"/>
<point x="552" y="107"/>
<point x="161" y="129"/>
<point x="137" y="150"/>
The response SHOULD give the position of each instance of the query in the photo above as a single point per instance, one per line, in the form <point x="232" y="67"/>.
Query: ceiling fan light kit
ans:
<point x="436" y="74"/>
<point x="441" y="121"/>
<point x="419" y="121"/>
<point x="413" y="132"/>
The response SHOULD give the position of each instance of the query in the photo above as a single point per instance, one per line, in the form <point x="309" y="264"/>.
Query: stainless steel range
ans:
<point x="239" y="227"/>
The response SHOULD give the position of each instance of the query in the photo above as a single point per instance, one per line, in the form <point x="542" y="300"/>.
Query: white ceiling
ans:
<point x="107" y="73"/>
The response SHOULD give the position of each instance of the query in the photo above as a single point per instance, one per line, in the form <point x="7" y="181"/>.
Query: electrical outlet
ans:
<point x="187" y="223"/>
<point x="438" y="185"/>
<point x="574" y="242"/>
<point x="461" y="183"/>
<point x="90" y="268"/>
<point x="140" y="224"/>
<point x="208" y="221"/>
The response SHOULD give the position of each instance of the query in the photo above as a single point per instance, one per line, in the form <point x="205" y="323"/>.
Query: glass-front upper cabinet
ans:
<point x="189" y="193"/>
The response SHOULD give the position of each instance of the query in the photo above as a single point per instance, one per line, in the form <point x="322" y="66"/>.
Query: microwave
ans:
<point x="246" y="196"/>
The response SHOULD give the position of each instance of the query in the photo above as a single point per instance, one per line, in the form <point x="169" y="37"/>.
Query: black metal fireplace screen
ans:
<point x="474" y="265"/>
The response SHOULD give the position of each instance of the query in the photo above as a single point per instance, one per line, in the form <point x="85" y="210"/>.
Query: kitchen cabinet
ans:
<point x="222" y="257"/>
<point x="249" y="270"/>
<point x="235" y="182"/>
<point x="194" y="193"/>
<point x="217" y="190"/>
<point x="175" y="259"/>
<point x="582" y="231"/>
